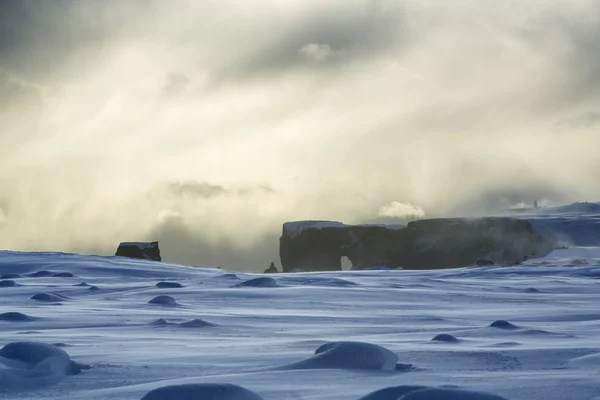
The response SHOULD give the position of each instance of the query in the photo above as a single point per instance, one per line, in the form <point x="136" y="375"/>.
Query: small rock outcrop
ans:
<point x="423" y="244"/>
<point x="140" y="250"/>
<point x="272" y="269"/>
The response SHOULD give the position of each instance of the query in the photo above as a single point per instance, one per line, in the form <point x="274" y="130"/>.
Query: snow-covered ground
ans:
<point x="521" y="332"/>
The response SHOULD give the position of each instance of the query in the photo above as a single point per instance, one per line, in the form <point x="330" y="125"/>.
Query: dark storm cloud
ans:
<point x="320" y="40"/>
<point x="572" y="43"/>
<point x="583" y="58"/>
<point x="39" y="37"/>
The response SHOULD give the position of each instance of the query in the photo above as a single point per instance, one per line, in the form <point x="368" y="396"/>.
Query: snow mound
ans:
<point x="160" y="322"/>
<point x="169" y="285"/>
<point x="259" y="282"/>
<point x="349" y="355"/>
<point x="14" y="316"/>
<point x="202" y="391"/>
<point x="196" y="323"/>
<point x="506" y="344"/>
<point x="63" y="275"/>
<point x="10" y="276"/>
<point x="329" y="281"/>
<point x="26" y="364"/>
<point x="448" y="394"/>
<point x="228" y="276"/>
<point x="591" y="360"/>
<point x="445" y="337"/>
<point x="8" y="283"/>
<point x="391" y="393"/>
<point x="48" y="297"/>
<point x="40" y="274"/>
<point x="503" y="324"/>
<point x="163" y="301"/>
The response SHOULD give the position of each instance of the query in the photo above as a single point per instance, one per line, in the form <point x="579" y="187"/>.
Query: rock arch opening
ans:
<point x="346" y="264"/>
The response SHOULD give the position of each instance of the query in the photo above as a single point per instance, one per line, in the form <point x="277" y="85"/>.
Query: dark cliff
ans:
<point x="141" y="250"/>
<point x="423" y="244"/>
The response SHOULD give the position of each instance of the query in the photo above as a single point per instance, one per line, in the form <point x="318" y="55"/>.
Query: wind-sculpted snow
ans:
<point x="262" y="282"/>
<point x="48" y="297"/>
<point x="27" y="364"/>
<point x="525" y="332"/>
<point x="590" y="361"/>
<point x="40" y="274"/>
<point x="408" y="392"/>
<point x="502" y="324"/>
<point x="169" y="285"/>
<point x="575" y="224"/>
<point x="8" y="283"/>
<point x="445" y="337"/>
<point x="448" y="394"/>
<point x="163" y="300"/>
<point x="349" y="355"/>
<point x="391" y="393"/>
<point x="10" y="276"/>
<point x="316" y="280"/>
<point x="14" y="316"/>
<point x="206" y="391"/>
<point x="194" y="323"/>
<point x="63" y="275"/>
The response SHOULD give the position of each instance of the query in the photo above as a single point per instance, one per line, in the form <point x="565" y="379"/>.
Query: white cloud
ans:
<point x="401" y="210"/>
<point x="166" y="216"/>
<point x="317" y="52"/>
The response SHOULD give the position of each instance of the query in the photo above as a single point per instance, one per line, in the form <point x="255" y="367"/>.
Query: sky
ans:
<point x="207" y="124"/>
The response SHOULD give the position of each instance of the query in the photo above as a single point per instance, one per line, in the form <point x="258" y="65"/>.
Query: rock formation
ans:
<point x="423" y="244"/>
<point x="141" y="250"/>
<point x="272" y="269"/>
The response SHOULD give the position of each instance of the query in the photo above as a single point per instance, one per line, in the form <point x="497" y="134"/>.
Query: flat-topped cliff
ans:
<point x="423" y="244"/>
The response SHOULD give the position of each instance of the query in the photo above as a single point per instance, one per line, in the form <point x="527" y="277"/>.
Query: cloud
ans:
<point x="197" y="189"/>
<point x="313" y="31"/>
<point x="400" y="210"/>
<point x="588" y="119"/>
<point x="191" y="245"/>
<point x="210" y="124"/>
<point x="176" y="84"/>
<point x="317" y="52"/>
<point x="209" y="190"/>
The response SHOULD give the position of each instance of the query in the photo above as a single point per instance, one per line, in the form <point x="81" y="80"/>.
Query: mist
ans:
<point x="207" y="124"/>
